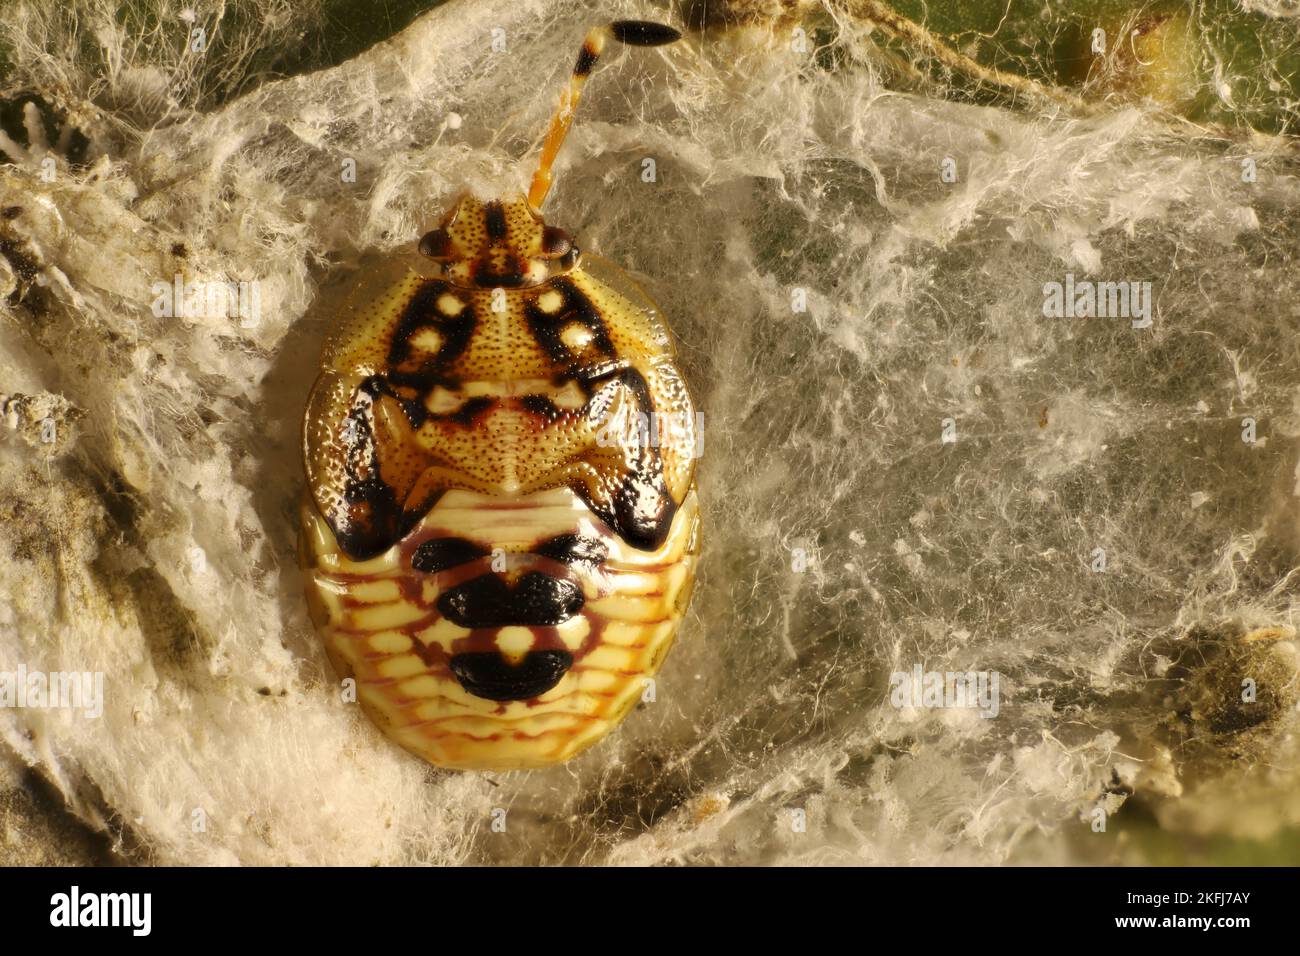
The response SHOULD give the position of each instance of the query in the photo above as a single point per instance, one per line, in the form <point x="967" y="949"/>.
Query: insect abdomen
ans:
<point x="503" y="631"/>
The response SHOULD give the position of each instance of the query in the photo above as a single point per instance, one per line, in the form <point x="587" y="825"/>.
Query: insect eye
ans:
<point x="436" y="244"/>
<point x="568" y="260"/>
<point x="555" y="243"/>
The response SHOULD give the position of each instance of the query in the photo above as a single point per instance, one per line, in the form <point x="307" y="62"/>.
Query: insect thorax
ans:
<point x="504" y="391"/>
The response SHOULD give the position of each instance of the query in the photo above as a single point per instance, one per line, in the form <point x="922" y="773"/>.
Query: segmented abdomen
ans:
<point x="501" y="632"/>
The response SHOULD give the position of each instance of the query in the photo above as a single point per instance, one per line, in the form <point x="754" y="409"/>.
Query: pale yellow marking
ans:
<point x="674" y="578"/>
<point x="561" y="698"/>
<point x="407" y="665"/>
<point x="340" y="563"/>
<point x="550" y="301"/>
<point x="382" y="617"/>
<point x="439" y="708"/>
<point x="573" y="631"/>
<point x="610" y="658"/>
<point x="350" y="650"/>
<point x="516" y="386"/>
<point x="331" y="586"/>
<point x="599" y="682"/>
<point x="317" y="535"/>
<point x="595" y="707"/>
<point x="449" y="305"/>
<point x="390" y="642"/>
<point x="624" y="634"/>
<point x="333" y="603"/>
<point x="563" y="499"/>
<point x="481" y="727"/>
<point x="428" y="591"/>
<point x="426" y="340"/>
<point x="442" y="633"/>
<point x="528" y="386"/>
<point x="570" y="397"/>
<point x="426" y="686"/>
<point x="514" y="642"/>
<point x="375" y="592"/>
<point x="576" y="336"/>
<point x="441" y="401"/>
<point x="635" y="582"/>
<point x="453" y="699"/>
<point x="459" y="514"/>
<point x="320" y="541"/>
<point x="619" y="607"/>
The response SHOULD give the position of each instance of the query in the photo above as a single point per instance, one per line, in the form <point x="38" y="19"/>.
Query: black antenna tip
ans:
<point x="642" y="33"/>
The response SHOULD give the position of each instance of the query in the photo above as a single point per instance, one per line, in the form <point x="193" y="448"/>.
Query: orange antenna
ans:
<point x="631" y="32"/>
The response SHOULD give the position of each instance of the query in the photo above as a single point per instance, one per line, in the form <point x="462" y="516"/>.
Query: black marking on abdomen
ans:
<point x="574" y="549"/>
<point x="439" y="554"/>
<point x="536" y="600"/>
<point x="488" y="675"/>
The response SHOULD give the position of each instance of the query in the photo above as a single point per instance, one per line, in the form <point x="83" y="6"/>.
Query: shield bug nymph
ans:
<point x="494" y="549"/>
